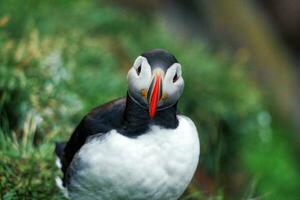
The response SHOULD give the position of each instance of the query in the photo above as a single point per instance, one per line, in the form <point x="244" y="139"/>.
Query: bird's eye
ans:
<point x="138" y="70"/>
<point x="175" y="78"/>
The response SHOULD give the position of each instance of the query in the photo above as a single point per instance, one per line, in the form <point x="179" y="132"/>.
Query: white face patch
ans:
<point x="140" y="73"/>
<point x="173" y="84"/>
<point x="139" y="79"/>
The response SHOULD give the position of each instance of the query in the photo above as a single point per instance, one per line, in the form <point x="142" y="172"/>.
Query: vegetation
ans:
<point x="58" y="60"/>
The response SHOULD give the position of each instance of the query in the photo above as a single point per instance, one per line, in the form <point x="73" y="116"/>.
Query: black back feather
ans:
<point x="160" y="58"/>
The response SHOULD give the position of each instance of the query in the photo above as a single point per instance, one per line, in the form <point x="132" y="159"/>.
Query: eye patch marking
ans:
<point x="138" y="70"/>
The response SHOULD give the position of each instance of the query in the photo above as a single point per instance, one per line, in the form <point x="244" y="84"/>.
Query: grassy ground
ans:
<point x="58" y="60"/>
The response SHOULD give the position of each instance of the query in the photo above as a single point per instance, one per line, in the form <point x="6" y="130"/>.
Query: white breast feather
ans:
<point x="157" y="165"/>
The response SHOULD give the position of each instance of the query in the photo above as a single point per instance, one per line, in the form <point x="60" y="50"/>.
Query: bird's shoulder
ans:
<point x="104" y="117"/>
<point x="186" y="124"/>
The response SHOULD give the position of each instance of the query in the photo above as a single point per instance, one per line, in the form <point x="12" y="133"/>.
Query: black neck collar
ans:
<point x="137" y="120"/>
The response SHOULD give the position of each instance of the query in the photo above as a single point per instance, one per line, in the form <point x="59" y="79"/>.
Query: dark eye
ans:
<point x="138" y="70"/>
<point x="175" y="78"/>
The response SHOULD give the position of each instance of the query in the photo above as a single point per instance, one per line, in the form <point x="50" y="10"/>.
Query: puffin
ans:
<point x="137" y="147"/>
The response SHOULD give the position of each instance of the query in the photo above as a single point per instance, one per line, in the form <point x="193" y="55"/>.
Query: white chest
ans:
<point x="156" y="165"/>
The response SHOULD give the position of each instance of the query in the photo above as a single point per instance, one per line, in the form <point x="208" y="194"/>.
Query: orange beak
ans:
<point x="154" y="97"/>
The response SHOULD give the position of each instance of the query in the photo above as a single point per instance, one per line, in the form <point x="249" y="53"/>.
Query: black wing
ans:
<point x="101" y="119"/>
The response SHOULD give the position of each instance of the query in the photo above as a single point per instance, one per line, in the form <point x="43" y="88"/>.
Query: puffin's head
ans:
<point x="155" y="81"/>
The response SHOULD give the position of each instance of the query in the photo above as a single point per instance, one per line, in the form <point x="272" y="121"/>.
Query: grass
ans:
<point x="27" y="170"/>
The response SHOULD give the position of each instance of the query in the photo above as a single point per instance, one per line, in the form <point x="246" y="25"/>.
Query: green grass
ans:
<point x="27" y="171"/>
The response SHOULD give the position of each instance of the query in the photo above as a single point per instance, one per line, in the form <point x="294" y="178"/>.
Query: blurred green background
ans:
<point x="59" y="59"/>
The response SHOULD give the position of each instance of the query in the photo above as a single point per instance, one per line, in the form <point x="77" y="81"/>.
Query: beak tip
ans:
<point x="151" y="115"/>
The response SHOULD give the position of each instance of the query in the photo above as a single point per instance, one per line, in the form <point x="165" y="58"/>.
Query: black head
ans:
<point x="155" y="81"/>
<point x="160" y="58"/>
